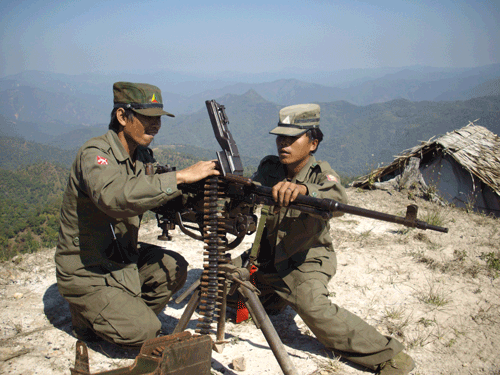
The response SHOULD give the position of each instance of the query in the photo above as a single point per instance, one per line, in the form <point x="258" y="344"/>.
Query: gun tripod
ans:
<point x="240" y="281"/>
<point x="211" y="290"/>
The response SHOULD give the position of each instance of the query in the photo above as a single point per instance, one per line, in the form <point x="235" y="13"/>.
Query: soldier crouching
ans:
<point x="115" y="285"/>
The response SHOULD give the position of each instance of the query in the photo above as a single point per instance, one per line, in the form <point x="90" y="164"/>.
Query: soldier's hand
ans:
<point x="285" y="192"/>
<point x="197" y="172"/>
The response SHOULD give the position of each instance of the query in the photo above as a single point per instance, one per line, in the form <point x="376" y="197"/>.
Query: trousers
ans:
<point x="119" y="312"/>
<point x="304" y="287"/>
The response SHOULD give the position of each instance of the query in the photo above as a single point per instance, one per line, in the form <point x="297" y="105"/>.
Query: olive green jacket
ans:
<point x="105" y="189"/>
<point x="289" y="232"/>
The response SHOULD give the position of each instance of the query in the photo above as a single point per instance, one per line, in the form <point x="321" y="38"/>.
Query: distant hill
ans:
<point x="488" y="88"/>
<point x="357" y="138"/>
<point x="281" y="92"/>
<point x="58" y="110"/>
<point x="27" y="130"/>
<point x="60" y="101"/>
<point x="17" y="152"/>
<point x="424" y="85"/>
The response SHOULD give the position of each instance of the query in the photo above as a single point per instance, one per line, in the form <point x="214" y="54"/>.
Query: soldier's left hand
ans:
<point x="197" y="172"/>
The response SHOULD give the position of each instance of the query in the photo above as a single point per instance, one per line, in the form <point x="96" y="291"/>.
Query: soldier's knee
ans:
<point x="131" y="333"/>
<point x="312" y="298"/>
<point x="126" y="321"/>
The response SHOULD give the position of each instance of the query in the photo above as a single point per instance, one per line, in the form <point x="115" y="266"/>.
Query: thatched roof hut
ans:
<point x="463" y="165"/>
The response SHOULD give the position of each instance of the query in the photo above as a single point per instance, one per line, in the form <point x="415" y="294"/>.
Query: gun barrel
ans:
<point x="409" y="220"/>
<point x="306" y="203"/>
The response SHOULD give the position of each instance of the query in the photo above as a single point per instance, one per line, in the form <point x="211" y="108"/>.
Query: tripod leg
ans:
<point x="188" y="312"/>
<point x="221" y="322"/>
<point x="269" y="332"/>
<point x="188" y="291"/>
<point x="252" y="314"/>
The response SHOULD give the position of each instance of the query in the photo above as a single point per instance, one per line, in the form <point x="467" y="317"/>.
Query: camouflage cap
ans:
<point x="140" y="97"/>
<point x="295" y="120"/>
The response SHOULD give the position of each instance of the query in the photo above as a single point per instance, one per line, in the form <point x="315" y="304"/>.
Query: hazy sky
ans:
<point x="75" y="37"/>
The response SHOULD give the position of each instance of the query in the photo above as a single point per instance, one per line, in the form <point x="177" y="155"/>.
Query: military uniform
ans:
<point x="115" y="286"/>
<point x="297" y="261"/>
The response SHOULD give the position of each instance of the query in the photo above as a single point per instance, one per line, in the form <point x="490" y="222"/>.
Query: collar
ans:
<point x="116" y="146"/>
<point x="302" y="175"/>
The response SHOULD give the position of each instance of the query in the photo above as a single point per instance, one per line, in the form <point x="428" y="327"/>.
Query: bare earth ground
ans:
<point x="432" y="291"/>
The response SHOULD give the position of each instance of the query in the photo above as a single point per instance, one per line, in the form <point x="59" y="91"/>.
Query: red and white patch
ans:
<point x="331" y="177"/>
<point x="101" y="160"/>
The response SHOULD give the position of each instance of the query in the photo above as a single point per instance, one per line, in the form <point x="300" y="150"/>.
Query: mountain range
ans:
<point x="366" y="121"/>
<point x="35" y="96"/>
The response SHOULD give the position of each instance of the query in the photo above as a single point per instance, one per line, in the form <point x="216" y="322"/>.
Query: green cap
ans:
<point x="296" y="119"/>
<point x="140" y="97"/>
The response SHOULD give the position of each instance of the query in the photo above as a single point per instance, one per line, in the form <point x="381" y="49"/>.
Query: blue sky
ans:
<point x="74" y="37"/>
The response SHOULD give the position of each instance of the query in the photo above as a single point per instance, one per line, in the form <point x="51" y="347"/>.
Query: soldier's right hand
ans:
<point x="197" y="172"/>
<point x="285" y="192"/>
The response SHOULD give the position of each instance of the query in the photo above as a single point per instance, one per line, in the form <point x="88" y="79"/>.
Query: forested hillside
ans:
<point x="30" y="199"/>
<point x="17" y="152"/>
<point x="358" y="139"/>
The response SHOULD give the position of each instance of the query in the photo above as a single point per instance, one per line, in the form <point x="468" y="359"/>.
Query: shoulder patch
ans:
<point x="101" y="160"/>
<point x="331" y="177"/>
